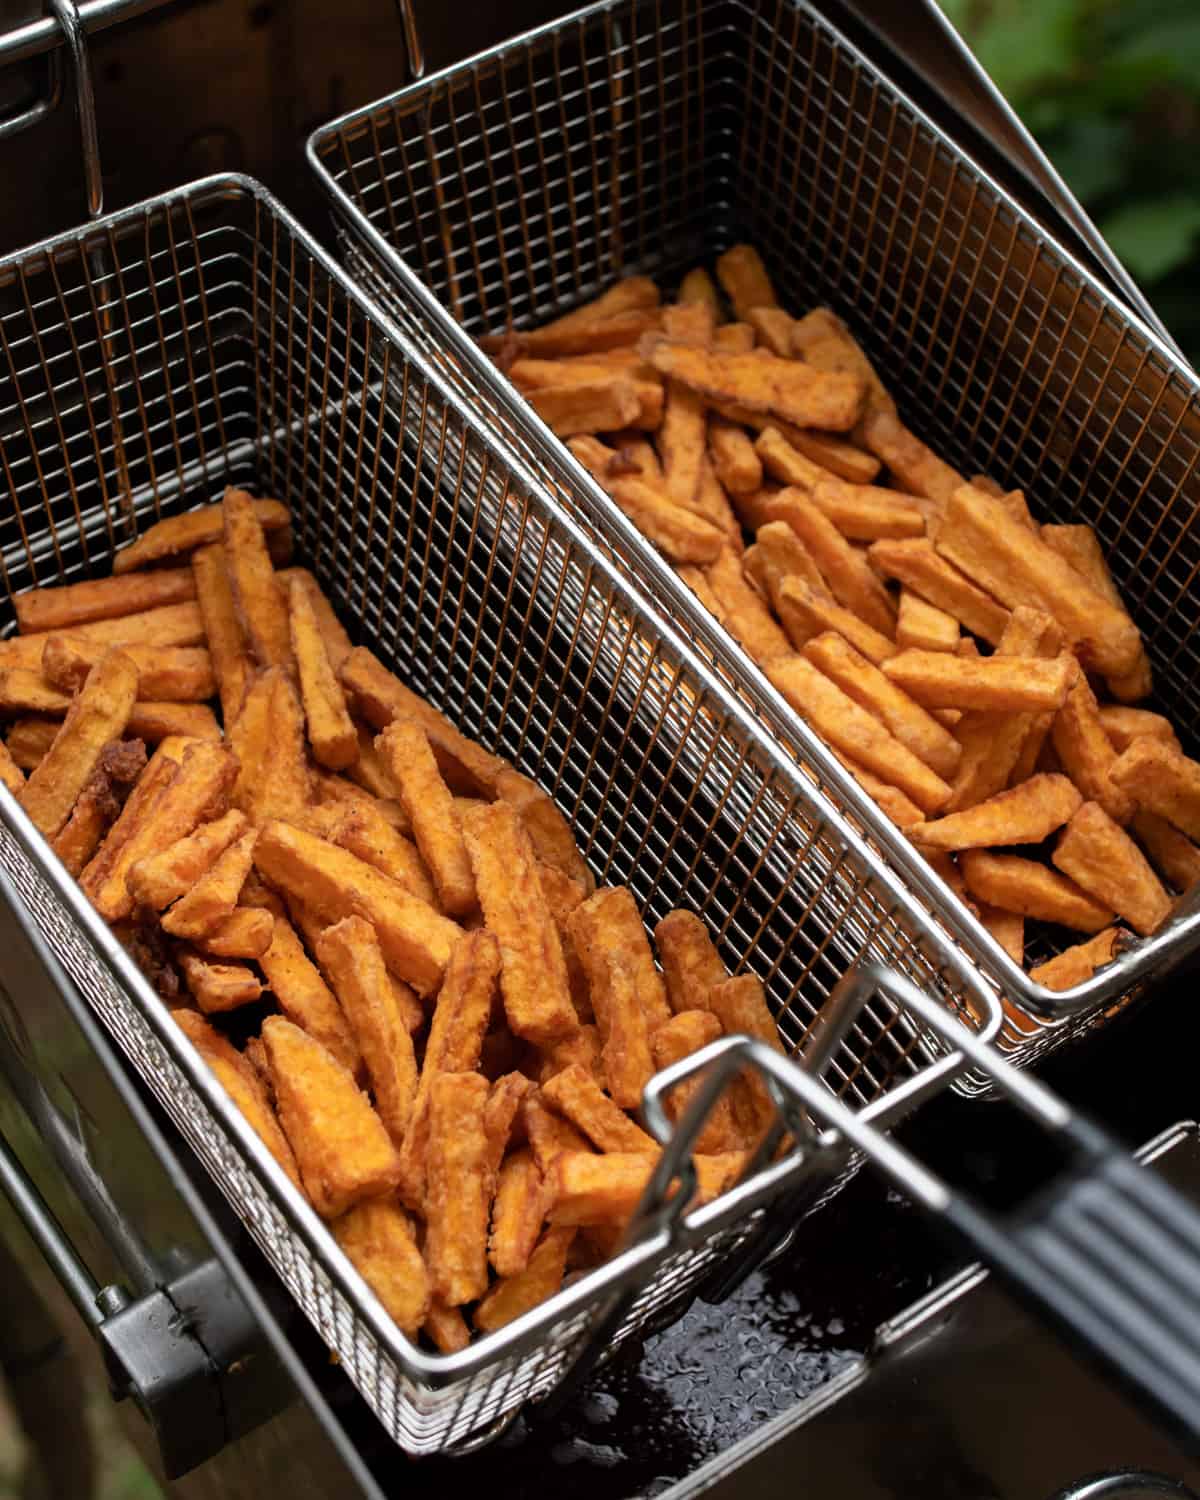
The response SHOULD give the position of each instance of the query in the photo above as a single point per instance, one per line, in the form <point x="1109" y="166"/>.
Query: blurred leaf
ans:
<point x="957" y="12"/>
<point x="1092" y="155"/>
<point x="1172" y="48"/>
<point x="1155" y="236"/>
<point x="1022" y="44"/>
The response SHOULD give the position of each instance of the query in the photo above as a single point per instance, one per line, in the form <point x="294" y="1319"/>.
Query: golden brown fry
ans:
<point x="616" y="976"/>
<point x="1161" y="780"/>
<point x="1021" y="885"/>
<point x="697" y="286"/>
<point x="592" y="335"/>
<point x="614" y="923"/>
<point x="1076" y="964"/>
<point x="541" y="1278"/>
<point x="679" y="533"/>
<point x="773" y="329"/>
<point x="846" y="571"/>
<point x="548" y="830"/>
<point x="533" y="977"/>
<point x="786" y="463"/>
<point x="604" y="405"/>
<point x="195" y="528"/>
<point x="268" y="739"/>
<point x="446" y="1328"/>
<point x="733" y="456"/>
<point x="67" y="605"/>
<point x="583" y="1188"/>
<point x="430" y="808"/>
<point x="1087" y="753"/>
<point x="217" y="987"/>
<point x="902" y="810"/>
<point x="575" y="1094"/>
<point x="23" y="691"/>
<point x="743" y="612"/>
<point x="153" y="722"/>
<point x="842" y="459"/>
<point x="744" y="280"/>
<point x="11" y="774"/>
<point x="740" y="1004"/>
<point x="867" y="513"/>
<point x="914" y="563"/>
<point x="330" y="733"/>
<point x="505" y="1101"/>
<point x="517" y="1213"/>
<point x="806" y="613"/>
<point x="895" y="710"/>
<point x="915" y="468"/>
<point x="244" y="933"/>
<point x="1009" y="684"/>
<point x="460" y="1019"/>
<point x="172" y="625"/>
<point x="361" y="828"/>
<point x="1025" y="814"/>
<point x="978" y="535"/>
<point x="850" y="729"/>
<point x="166" y="674"/>
<point x="1176" y="856"/>
<point x="341" y="1146"/>
<point x="691" y="964"/>
<point x="168" y="874"/>
<point x="457" y="1189"/>
<point x="822" y="339"/>
<point x="99" y="714"/>
<point x="1080" y="546"/>
<point x="549" y="1135"/>
<point x="215" y="894"/>
<point x="256" y="591"/>
<point x="336" y="790"/>
<point x="685" y="1033"/>
<point x="681" y="442"/>
<point x="733" y="338"/>
<point x="416" y="940"/>
<point x="923" y="626"/>
<point x="380" y="1241"/>
<point x="583" y="1047"/>
<point x="227" y="644"/>
<point x="798" y="393"/>
<point x="784" y="554"/>
<point x="350" y="956"/>
<point x="1123" y="725"/>
<point x="1007" y="927"/>
<point x="1101" y="858"/>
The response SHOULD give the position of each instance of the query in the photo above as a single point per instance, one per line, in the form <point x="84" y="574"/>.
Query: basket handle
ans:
<point x="412" y="39"/>
<point x="66" y="12"/>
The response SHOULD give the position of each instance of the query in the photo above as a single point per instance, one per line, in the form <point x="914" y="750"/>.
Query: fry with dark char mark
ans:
<point x="256" y="591"/>
<point x="457" y="1188"/>
<point x="381" y="1243"/>
<point x="196" y="528"/>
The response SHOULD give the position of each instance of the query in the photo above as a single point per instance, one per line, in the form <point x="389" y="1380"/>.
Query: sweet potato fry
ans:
<point x="217" y="987"/>
<point x="840" y="458"/>
<point x="1025" y="814"/>
<point x="680" y="534"/>
<point x="169" y="625"/>
<point x="29" y="739"/>
<point x="1123" y="725"/>
<point x="338" y="791"/>
<point x="1101" y="858"/>
<point x="549" y="832"/>
<point x="744" y="280"/>
<point x="460" y="1019"/>
<point x="1079" y="963"/>
<point x="350" y="956"/>
<point x="230" y="652"/>
<point x="685" y="1033"/>
<point x="338" y="644"/>
<point x="517" y="1213"/>
<point x="430" y="808"/>
<point x="341" y="1146"/>
<point x="796" y="392"/>
<point x="168" y="874"/>
<point x="1080" y="546"/>
<point x="11" y="774"/>
<point x="733" y="338"/>
<point x="681" y="443"/>
<point x="743" y="612"/>
<point x="215" y="894"/>
<point x="256" y="591"/>
<point x="847" y="573"/>
<point x="614" y="924"/>
<point x="240" y="1081"/>
<point x="362" y="829"/>
<point x="446" y="1328"/>
<point x="772" y="329"/>
<point x="740" y="1004"/>
<point x="330" y="733"/>
<point x="915" y="468"/>
<point x="576" y="1095"/>
<point x="615" y="982"/>
<point x="593" y="335"/>
<point x="914" y="563"/>
<point x="502" y="1114"/>
<point x="98" y="714"/>
<point x="1021" y="885"/>
<point x="268" y="739"/>
<point x="153" y="722"/>
<point x="549" y="1134"/>
<point x="541" y="1278"/>
<point x="1176" y="856"/>
<point x="166" y="674"/>
<point x="691" y="964"/>
<point x="850" y="729"/>
<point x="23" y="691"/>
<point x="533" y="977"/>
<point x="582" y="1188"/>
<point x="806" y="614"/>
<point x="1087" y="753"/>
<point x="582" y="1048"/>
<point x="605" y="405"/>
<point x="978" y="535"/>
<point x="244" y="933"/>
<point x="923" y="626"/>
<point x="697" y="286"/>
<point x="1007" y="927"/>
<point x="67" y="605"/>
<point x="1161" y="780"/>
<point x="902" y="810"/>
<point x="867" y="513"/>
<point x="380" y="1242"/>
<point x="822" y="339"/>
<point x="457" y="1189"/>
<point x="1009" y="684"/>
<point x="181" y="534"/>
<point x="733" y="456"/>
<point x="784" y="555"/>
<point x="859" y="679"/>
<point x="787" y="464"/>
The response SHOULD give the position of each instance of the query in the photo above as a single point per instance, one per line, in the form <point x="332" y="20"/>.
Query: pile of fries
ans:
<point x="975" y="672"/>
<point x="380" y="937"/>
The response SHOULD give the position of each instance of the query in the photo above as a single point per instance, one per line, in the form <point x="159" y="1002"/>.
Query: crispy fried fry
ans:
<point x="740" y="1004"/>
<point x="614" y="923"/>
<point x="67" y="605"/>
<point x="685" y="1033"/>
<point x="1080" y="546"/>
<point x="849" y="728"/>
<point x="338" y="644"/>
<point x="615" y="979"/>
<point x="330" y="733"/>
<point x="170" y="625"/>
<point x="744" y="280"/>
<point x="604" y="405"/>
<point x="733" y="456"/>
<point x="575" y="1094"/>
<point x="502" y="1114"/>
<point x="998" y="683"/>
<point x="681" y="441"/>
<point x="227" y="643"/>
<point x="1162" y="781"/>
<point x="773" y="329"/>
<point x="244" y="933"/>
<point x="914" y="563"/>
<point x="533" y="978"/>
<point x="916" y="468"/>
<point x="541" y="1278"/>
<point x="902" y="810"/>
<point x="341" y="1146"/>
<point x="549" y="832"/>
<point x="1025" y="814"/>
<point x="895" y="710"/>
<point x="196" y="528"/>
<point x="786" y="463"/>
<point x="1176" y="856"/>
<point x="582" y="1047"/>
<point x="549" y="1134"/>
<point x="166" y="674"/>
<point x="350" y="955"/>
<point x="698" y="287"/>
<point x="1123" y="725"/>
<point x="733" y="338"/>
<point x="680" y="534"/>
<point x="1101" y="858"/>
<point x="446" y="1328"/>
<point x="784" y="555"/>
<point x="362" y="829"/>
<point x="1007" y="927"/>
<point x="691" y="964"/>
<point x="923" y="626"/>
<point x="380" y="1240"/>
<point x="153" y="722"/>
<point x="337" y="790"/>
<point x="743" y="612"/>
<point x="23" y="691"/>
<point x="846" y="572"/>
<point x="99" y="714"/>
<point x="822" y="339"/>
<point x="1087" y="753"/>
<point x="796" y="392"/>
<point x="1076" y="964"/>
<point x="805" y="614"/>
<point x="517" y="1213"/>
<point x="11" y="774"/>
<point x="215" y="894"/>
<point x="268" y="739"/>
<point x="1021" y="885"/>
<point x="430" y="808"/>
<point x="256" y="591"/>
<point x="592" y="335"/>
<point x="168" y="874"/>
<point x="583" y="1188"/>
<point x="867" y="513"/>
<point x="458" y="1188"/>
<point x="217" y="987"/>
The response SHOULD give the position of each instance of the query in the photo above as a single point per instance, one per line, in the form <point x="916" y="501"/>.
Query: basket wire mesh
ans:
<point x="202" y="339"/>
<point x="645" y="136"/>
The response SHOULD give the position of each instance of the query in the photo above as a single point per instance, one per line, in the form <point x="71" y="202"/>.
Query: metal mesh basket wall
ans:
<point x="647" y="137"/>
<point x="202" y="339"/>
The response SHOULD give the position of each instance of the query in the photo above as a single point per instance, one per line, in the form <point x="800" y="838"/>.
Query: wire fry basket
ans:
<point x="646" y="136"/>
<point x="202" y="339"/>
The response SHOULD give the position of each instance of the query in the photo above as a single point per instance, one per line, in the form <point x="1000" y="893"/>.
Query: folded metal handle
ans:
<point x="412" y="40"/>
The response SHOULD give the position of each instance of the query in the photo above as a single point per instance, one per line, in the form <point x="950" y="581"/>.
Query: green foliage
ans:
<point x="1111" y="89"/>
